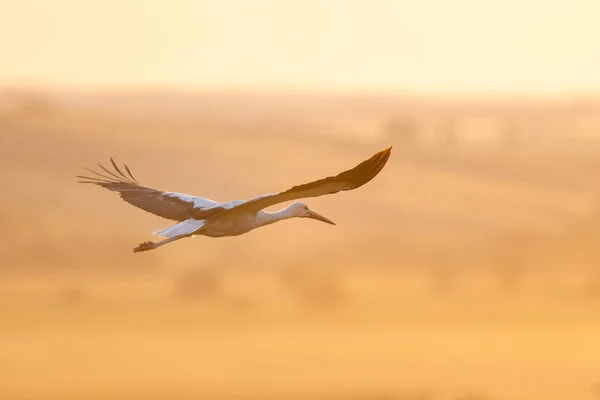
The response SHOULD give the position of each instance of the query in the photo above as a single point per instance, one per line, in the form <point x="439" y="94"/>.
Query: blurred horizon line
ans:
<point x="303" y="90"/>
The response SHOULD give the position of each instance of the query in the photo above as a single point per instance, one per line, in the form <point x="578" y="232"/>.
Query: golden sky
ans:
<point x="426" y="45"/>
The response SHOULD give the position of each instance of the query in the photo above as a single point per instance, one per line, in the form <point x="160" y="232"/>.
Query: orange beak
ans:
<point x="319" y="217"/>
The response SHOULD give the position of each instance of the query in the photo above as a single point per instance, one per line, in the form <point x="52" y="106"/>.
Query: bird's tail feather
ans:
<point x="144" y="247"/>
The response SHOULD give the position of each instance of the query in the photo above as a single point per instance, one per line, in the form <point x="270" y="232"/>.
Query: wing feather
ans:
<point x="116" y="167"/>
<point x="347" y="180"/>
<point x="120" y="179"/>
<point x="130" y="174"/>
<point x="170" y="205"/>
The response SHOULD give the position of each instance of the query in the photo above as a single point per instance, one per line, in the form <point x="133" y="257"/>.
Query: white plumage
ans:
<point x="186" y="227"/>
<point x="200" y="216"/>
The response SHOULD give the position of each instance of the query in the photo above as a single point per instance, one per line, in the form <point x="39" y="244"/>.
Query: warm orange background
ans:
<point x="468" y="269"/>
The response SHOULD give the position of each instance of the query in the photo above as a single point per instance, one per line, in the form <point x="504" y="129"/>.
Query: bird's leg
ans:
<point x="153" y="245"/>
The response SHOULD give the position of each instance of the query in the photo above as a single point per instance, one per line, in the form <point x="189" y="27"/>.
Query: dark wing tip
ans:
<point x="384" y="153"/>
<point x="355" y="177"/>
<point x="368" y="169"/>
<point x="111" y="177"/>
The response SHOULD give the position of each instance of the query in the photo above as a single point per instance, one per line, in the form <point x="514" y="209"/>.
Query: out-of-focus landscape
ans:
<point x="466" y="270"/>
<point x="468" y="267"/>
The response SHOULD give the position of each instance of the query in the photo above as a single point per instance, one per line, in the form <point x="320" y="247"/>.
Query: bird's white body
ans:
<point x="239" y="225"/>
<point x="244" y="223"/>
<point x="235" y="226"/>
<point x="200" y="216"/>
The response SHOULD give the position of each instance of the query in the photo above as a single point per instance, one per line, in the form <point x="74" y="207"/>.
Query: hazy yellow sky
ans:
<point x="431" y="45"/>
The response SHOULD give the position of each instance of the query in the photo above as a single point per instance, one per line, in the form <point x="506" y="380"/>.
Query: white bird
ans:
<point x="201" y="216"/>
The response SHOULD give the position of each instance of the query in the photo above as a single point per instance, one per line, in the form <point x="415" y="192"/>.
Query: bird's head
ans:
<point x="301" y="210"/>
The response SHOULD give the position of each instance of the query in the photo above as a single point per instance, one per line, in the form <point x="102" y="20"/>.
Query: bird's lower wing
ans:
<point x="170" y="205"/>
<point x="347" y="180"/>
<point x="186" y="227"/>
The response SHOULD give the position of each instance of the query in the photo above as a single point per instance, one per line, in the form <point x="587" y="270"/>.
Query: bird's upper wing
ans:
<point x="170" y="205"/>
<point x="347" y="180"/>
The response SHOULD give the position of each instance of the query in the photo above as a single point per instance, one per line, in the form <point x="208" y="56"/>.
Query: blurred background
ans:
<point x="468" y="269"/>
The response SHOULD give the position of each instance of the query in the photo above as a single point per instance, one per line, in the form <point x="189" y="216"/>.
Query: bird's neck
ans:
<point x="266" y="218"/>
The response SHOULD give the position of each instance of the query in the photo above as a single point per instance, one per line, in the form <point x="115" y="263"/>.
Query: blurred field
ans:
<point x="466" y="270"/>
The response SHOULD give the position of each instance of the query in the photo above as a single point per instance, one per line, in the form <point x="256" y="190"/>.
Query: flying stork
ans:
<point x="201" y="216"/>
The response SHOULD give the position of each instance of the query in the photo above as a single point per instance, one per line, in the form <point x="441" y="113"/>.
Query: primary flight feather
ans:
<point x="201" y="216"/>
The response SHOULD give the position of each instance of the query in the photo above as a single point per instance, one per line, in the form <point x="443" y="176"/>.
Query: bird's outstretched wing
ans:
<point x="347" y="180"/>
<point x="170" y="205"/>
